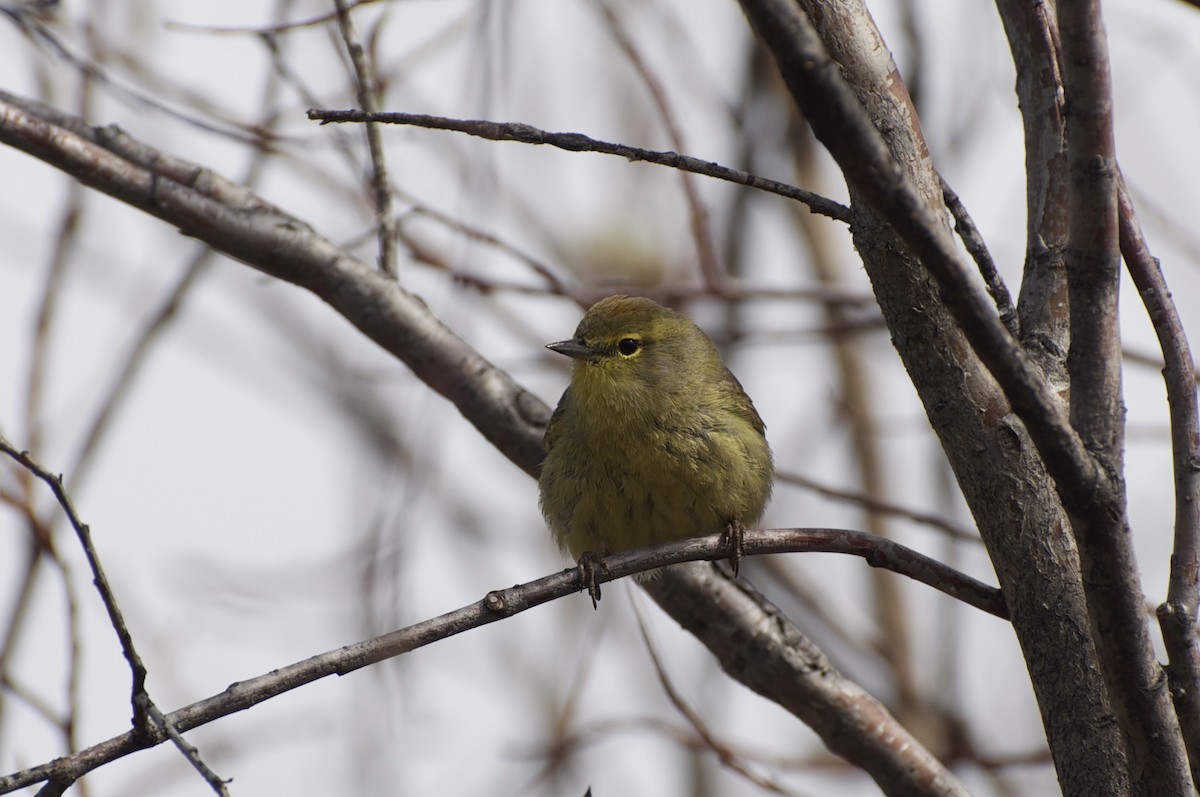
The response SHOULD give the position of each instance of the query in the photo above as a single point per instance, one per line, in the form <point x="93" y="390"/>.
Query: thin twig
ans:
<point x="577" y="142"/>
<point x="504" y="603"/>
<point x="147" y="719"/>
<point x="708" y="739"/>
<point x="706" y="249"/>
<point x="131" y="365"/>
<point x="44" y="37"/>
<point x="364" y="78"/>
<point x="964" y="225"/>
<point x="55" y="483"/>
<point x="872" y="504"/>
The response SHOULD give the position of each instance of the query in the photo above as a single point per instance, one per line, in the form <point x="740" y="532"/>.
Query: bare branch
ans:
<point x="1177" y="616"/>
<point x="964" y="225"/>
<point x="1037" y="562"/>
<point x="233" y="219"/>
<point x="841" y="124"/>
<point x="366" y="88"/>
<point x="1042" y="302"/>
<point x="873" y="504"/>
<point x="504" y="603"/>
<point x="146" y="716"/>
<point x="796" y="674"/>
<point x="1136" y="683"/>
<point x="577" y="142"/>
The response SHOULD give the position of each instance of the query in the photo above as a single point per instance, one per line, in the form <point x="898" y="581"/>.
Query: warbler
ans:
<point x="654" y="439"/>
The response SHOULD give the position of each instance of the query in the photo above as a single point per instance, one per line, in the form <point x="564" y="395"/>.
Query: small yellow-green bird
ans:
<point x="654" y="439"/>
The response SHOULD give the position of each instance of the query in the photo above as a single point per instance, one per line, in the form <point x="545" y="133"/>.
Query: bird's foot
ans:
<point x="735" y="541"/>
<point x="589" y="565"/>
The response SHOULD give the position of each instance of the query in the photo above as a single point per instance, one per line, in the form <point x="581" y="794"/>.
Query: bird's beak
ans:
<point x="575" y="349"/>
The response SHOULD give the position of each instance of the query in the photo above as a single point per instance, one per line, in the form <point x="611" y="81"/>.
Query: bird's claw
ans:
<point x="735" y="542"/>
<point x="589" y="564"/>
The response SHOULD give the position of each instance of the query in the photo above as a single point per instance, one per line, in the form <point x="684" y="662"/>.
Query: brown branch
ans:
<point x="1042" y="301"/>
<point x="841" y="124"/>
<point x="1176" y="616"/>
<point x="1136" y="683"/>
<point x="504" y="603"/>
<point x="964" y="225"/>
<point x="945" y="329"/>
<point x="577" y="142"/>
<point x="798" y="676"/>
<point x="239" y="223"/>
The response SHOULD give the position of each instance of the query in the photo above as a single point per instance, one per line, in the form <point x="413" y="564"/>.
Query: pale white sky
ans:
<point x="245" y="521"/>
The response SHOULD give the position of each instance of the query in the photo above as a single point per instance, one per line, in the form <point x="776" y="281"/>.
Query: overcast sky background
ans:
<point x="248" y="518"/>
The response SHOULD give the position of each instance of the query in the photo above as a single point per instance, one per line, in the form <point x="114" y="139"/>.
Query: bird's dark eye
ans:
<point x="628" y="346"/>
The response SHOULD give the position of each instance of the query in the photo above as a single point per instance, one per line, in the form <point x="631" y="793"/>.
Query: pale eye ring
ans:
<point x="628" y="346"/>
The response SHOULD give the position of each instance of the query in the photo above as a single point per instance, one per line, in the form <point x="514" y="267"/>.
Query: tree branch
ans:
<point x="850" y="722"/>
<point x="239" y="223"/>
<point x="842" y="125"/>
<point x="147" y="719"/>
<point x="953" y="346"/>
<point x="964" y="225"/>
<point x="1042" y="301"/>
<point x="1111" y="578"/>
<point x="365" y="88"/>
<point x="1177" y="616"/>
<point x="577" y="142"/>
<point x="503" y="603"/>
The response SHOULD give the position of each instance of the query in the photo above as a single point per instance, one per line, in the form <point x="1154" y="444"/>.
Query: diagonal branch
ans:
<point x="504" y="603"/>
<point x="238" y="222"/>
<point x="964" y="225"/>
<point x="842" y="125"/>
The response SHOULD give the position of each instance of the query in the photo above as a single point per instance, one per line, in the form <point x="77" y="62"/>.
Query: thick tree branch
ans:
<point x="1111" y="578"/>
<point x="947" y="333"/>
<point x="842" y="125"/>
<point x="851" y="722"/>
<point x="504" y="603"/>
<point x="239" y="223"/>
<point x="1042" y="301"/>
<point x="1177" y="616"/>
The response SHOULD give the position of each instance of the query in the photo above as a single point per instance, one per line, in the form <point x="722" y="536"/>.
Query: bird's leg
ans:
<point x="735" y="541"/>
<point x="589" y="564"/>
